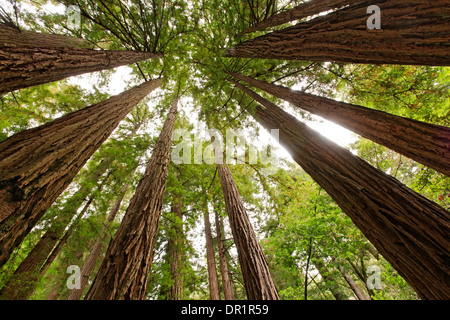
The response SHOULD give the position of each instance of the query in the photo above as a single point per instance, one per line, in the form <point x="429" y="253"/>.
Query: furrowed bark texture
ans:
<point x="226" y="281"/>
<point x="415" y="33"/>
<point x="409" y="230"/>
<point x="36" y="165"/>
<point x="214" y="293"/>
<point x="423" y="142"/>
<point x="258" y="281"/>
<point x="303" y="10"/>
<point x="123" y="274"/>
<point x="27" y="60"/>
<point x="89" y="264"/>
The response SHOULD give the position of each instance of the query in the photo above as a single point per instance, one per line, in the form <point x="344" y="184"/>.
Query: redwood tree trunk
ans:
<point x="354" y="286"/>
<point x="258" y="281"/>
<point x="36" y="165"/>
<point x="89" y="264"/>
<point x="175" y="252"/>
<point x="409" y="230"/>
<point x="413" y="32"/>
<point x="423" y="142"/>
<point x="27" y="60"/>
<point x="226" y="281"/>
<point x="214" y="292"/>
<point x="301" y="11"/>
<point x="124" y="271"/>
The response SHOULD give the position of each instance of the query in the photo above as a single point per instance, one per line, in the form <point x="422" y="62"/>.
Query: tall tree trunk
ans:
<point x="258" y="281"/>
<point x="27" y="60"/>
<point x="414" y="32"/>
<point x="352" y="284"/>
<point x="124" y="272"/>
<point x="409" y="230"/>
<point x="226" y="281"/>
<point x="423" y="142"/>
<point x="301" y="11"/>
<point x="214" y="292"/>
<point x="89" y="264"/>
<point x="175" y="252"/>
<point x="27" y="275"/>
<point x="37" y="165"/>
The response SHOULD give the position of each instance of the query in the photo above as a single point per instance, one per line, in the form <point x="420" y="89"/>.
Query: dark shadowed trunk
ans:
<point x="214" y="292"/>
<point x="27" y="60"/>
<point x="258" y="281"/>
<point x="38" y="164"/>
<point x="409" y="230"/>
<point x="423" y="142"/>
<point x="413" y="32"/>
<point x="89" y="264"/>
<point x="124" y="272"/>
<point x="226" y="281"/>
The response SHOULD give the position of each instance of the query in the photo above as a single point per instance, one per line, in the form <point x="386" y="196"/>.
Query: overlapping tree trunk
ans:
<point x="214" y="293"/>
<point x="46" y="58"/>
<point x="89" y="264"/>
<point x="123" y="274"/>
<point x="415" y="33"/>
<point x="423" y="142"/>
<point x="175" y="252"/>
<point x="409" y="230"/>
<point x="258" y="281"/>
<point x="226" y="281"/>
<point x="37" y="165"/>
<point x="303" y="10"/>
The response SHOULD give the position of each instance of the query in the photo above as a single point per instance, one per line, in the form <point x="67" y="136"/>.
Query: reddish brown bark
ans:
<point x="123" y="274"/>
<point x="258" y="281"/>
<point x="301" y="11"/>
<point x="28" y="60"/>
<point x="409" y="230"/>
<point x="89" y="264"/>
<point x="36" y="165"/>
<point x="414" y="32"/>
<point x="226" y="281"/>
<point x="423" y="142"/>
<point x="214" y="292"/>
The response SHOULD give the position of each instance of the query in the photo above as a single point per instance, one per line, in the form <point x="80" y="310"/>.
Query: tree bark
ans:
<point x="27" y="61"/>
<point x="89" y="264"/>
<point x="36" y="165"/>
<point x="301" y="11"/>
<point x="214" y="292"/>
<point x="409" y="230"/>
<point x="175" y="252"/>
<point x="414" y="33"/>
<point x="123" y="274"/>
<point x="355" y="288"/>
<point x="226" y="281"/>
<point x="258" y="281"/>
<point x="423" y="142"/>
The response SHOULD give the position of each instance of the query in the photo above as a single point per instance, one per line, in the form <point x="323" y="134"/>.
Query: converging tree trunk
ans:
<point x="423" y="142"/>
<point x="123" y="273"/>
<point x="89" y="264"/>
<point x="175" y="252"/>
<point x="414" y="32"/>
<point x="26" y="276"/>
<point x="409" y="230"/>
<point x="226" y="281"/>
<point x="353" y="285"/>
<point x="28" y="59"/>
<point x="214" y="292"/>
<point x="258" y="281"/>
<point x="301" y="11"/>
<point x="38" y="164"/>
